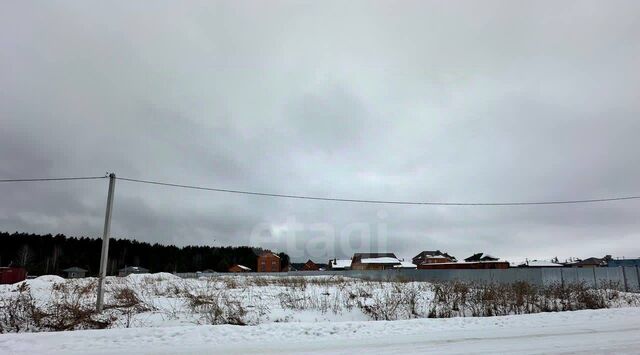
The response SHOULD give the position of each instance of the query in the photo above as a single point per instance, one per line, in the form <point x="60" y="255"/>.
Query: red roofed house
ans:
<point x="310" y="266"/>
<point x="239" y="268"/>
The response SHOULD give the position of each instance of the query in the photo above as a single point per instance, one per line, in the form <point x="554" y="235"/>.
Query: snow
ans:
<point x="381" y="260"/>
<point x="592" y="331"/>
<point x="340" y="263"/>
<point x="42" y="282"/>
<point x="406" y="265"/>
<point x="310" y="315"/>
<point x="49" y="278"/>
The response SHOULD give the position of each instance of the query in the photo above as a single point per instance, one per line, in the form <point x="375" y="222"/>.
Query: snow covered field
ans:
<point x="590" y="331"/>
<point x="161" y="313"/>
<point x="158" y="300"/>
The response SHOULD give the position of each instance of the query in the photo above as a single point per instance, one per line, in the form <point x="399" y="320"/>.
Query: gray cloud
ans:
<point x="491" y="101"/>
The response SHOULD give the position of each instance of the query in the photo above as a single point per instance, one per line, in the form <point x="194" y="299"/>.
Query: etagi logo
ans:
<point x="322" y="240"/>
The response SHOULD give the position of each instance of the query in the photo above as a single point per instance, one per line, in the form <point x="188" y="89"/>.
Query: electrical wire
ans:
<point x="317" y="198"/>
<point x="55" y="179"/>
<point x="389" y="202"/>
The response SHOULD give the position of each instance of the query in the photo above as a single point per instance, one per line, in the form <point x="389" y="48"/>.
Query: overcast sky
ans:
<point x="465" y="101"/>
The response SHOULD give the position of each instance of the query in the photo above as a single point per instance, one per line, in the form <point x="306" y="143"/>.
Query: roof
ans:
<point x="269" y="253"/>
<point x="406" y="265"/>
<point x="340" y="263"/>
<point x="434" y="253"/>
<point x="380" y="260"/>
<point x="74" y="269"/>
<point x="358" y="256"/>
<point x="300" y="266"/>
<point x="238" y="265"/>
<point x="481" y="257"/>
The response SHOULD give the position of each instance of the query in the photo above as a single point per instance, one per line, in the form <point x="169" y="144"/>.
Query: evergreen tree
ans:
<point x="48" y="254"/>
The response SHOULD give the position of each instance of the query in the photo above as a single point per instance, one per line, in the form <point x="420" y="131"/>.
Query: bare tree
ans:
<point x="24" y="255"/>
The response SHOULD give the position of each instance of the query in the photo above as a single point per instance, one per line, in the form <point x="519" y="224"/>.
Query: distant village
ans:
<point x="426" y="260"/>
<point x="270" y="262"/>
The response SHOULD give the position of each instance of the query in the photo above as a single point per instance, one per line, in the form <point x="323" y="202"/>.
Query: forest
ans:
<point x="50" y="254"/>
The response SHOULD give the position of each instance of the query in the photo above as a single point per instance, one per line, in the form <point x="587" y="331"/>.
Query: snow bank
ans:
<point x="50" y="279"/>
<point x="43" y="282"/>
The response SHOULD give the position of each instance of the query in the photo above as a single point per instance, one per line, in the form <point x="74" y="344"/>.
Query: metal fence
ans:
<point x="625" y="278"/>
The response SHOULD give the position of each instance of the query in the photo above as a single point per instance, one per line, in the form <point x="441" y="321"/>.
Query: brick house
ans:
<point x="310" y="266"/>
<point x="268" y="262"/>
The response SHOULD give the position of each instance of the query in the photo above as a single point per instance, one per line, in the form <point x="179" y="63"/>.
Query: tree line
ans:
<point x="50" y="254"/>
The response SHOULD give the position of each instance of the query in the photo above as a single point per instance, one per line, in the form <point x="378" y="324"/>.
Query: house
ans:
<point x="239" y="268"/>
<point x="75" y="272"/>
<point x="480" y="257"/>
<point x="310" y="266"/>
<point x="475" y="261"/>
<point x="268" y="262"/>
<point x="339" y="264"/>
<point x="128" y="270"/>
<point x="374" y="261"/>
<point x="540" y="263"/>
<point x="10" y="275"/>
<point x="433" y="256"/>
<point x="295" y="267"/>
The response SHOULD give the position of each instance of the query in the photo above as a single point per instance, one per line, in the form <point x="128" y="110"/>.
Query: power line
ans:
<point x="316" y="198"/>
<point x="55" y="179"/>
<point x="388" y="202"/>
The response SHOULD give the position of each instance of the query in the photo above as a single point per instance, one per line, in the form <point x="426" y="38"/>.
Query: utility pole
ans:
<point x="105" y="243"/>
